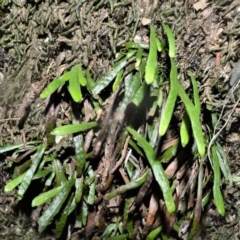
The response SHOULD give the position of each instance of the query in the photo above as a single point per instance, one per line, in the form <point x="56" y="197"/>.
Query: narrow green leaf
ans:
<point x="185" y="130"/>
<point x="127" y="206"/>
<point x="50" y="179"/>
<point x="111" y="230"/>
<point x="171" y="40"/>
<point x="30" y="172"/>
<point x="154" y="233"/>
<point x="141" y="70"/>
<point x="138" y="57"/>
<point x="142" y="142"/>
<point x="135" y="147"/>
<point x="16" y="146"/>
<point x="214" y="119"/>
<point x="80" y="154"/>
<point x="134" y="45"/>
<point x="206" y="199"/>
<point x="139" y="95"/>
<point x="14" y="183"/>
<point x="193" y="111"/>
<point x="117" y="81"/>
<point x="44" y="197"/>
<point x="18" y="170"/>
<point x="83" y="213"/>
<point x="55" y="206"/>
<point x="42" y="173"/>
<point x="130" y="228"/>
<point x="196" y="97"/>
<point x="11" y="147"/>
<point x="151" y="65"/>
<point x="61" y="223"/>
<point x="132" y="85"/>
<point x="54" y="85"/>
<point x="167" y="113"/>
<point x="160" y="45"/>
<point x="79" y="183"/>
<point x="59" y="172"/>
<point x="153" y="134"/>
<point x="157" y="168"/>
<point x="223" y="162"/>
<point x="107" y="79"/>
<point x="91" y="194"/>
<point x="195" y="121"/>
<point x="79" y="73"/>
<point x="129" y="168"/>
<point x="169" y="153"/>
<point x="164" y="236"/>
<point x="92" y="186"/>
<point x="132" y="185"/>
<point x="73" y="128"/>
<point x="72" y="206"/>
<point x="74" y="89"/>
<point x="75" y="77"/>
<point x="217" y="194"/>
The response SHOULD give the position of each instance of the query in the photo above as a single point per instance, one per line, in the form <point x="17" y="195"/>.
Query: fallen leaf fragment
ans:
<point x="200" y="5"/>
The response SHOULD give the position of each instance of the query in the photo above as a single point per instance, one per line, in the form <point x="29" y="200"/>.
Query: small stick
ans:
<point x="8" y="119"/>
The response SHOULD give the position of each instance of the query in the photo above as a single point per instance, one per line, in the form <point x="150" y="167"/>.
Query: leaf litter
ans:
<point x="26" y="64"/>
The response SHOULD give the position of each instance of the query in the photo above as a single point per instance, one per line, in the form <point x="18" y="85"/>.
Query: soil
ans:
<point x="39" y="40"/>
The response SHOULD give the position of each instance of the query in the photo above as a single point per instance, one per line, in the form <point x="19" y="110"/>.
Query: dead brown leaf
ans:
<point x="153" y="208"/>
<point x="200" y="5"/>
